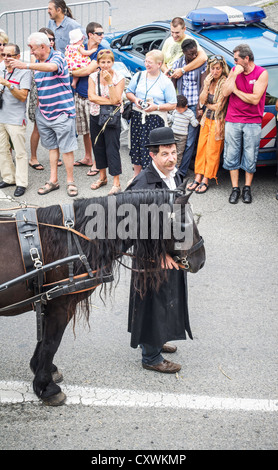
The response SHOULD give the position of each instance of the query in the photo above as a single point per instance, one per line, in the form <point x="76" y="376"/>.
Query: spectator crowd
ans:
<point x="70" y="88"/>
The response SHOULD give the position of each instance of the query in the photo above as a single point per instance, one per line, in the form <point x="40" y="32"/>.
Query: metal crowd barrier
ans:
<point x="19" y="24"/>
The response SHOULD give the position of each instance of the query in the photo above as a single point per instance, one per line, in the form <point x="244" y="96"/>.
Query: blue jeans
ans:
<point x="241" y="148"/>
<point x="190" y="145"/>
<point x="151" y="355"/>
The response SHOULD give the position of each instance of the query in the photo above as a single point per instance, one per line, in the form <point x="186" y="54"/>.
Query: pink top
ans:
<point x="74" y="58"/>
<point x="238" y="110"/>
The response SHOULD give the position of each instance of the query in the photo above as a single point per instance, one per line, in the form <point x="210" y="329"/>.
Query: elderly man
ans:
<point x="160" y="316"/>
<point x="172" y="50"/>
<point x="246" y="87"/>
<point x="14" y="87"/>
<point x="61" y="23"/>
<point x="55" y="115"/>
<point x="95" y="34"/>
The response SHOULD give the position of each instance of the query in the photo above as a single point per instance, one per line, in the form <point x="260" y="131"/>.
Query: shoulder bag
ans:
<point x="109" y="115"/>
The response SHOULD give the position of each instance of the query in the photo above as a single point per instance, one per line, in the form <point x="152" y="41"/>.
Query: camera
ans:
<point x="144" y="104"/>
<point x="1" y="100"/>
<point x="170" y="73"/>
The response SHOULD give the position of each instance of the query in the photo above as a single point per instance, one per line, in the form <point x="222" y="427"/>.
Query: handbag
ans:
<point x="127" y="111"/>
<point x="128" y="105"/>
<point x="109" y="115"/>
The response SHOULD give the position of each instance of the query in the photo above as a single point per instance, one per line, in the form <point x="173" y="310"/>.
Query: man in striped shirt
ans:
<point x="55" y="115"/>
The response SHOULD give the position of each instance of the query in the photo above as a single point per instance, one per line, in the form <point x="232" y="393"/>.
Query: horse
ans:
<point x="82" y="255"/>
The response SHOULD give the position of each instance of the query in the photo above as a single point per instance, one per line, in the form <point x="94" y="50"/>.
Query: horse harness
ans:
<point x="35" y="269"/>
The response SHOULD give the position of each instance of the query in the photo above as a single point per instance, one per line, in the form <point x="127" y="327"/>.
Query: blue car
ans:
<point x="218" y="30"/>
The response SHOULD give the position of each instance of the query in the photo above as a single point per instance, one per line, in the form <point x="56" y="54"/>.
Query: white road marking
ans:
<point x="22" y="392"/>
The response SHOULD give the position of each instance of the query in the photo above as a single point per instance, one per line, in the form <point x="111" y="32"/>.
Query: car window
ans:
<point x="144" y="41"/>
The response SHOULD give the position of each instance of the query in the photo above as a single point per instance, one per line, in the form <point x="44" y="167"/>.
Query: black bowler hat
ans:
<point x="161" y="136"/>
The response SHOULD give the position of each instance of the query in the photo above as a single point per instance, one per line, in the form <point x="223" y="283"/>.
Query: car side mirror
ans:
<point x="126" y="48"/>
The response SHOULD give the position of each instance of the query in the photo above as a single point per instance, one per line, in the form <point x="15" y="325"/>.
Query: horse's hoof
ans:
<point x="55" y="400"/>
<point x="57" y="376"/>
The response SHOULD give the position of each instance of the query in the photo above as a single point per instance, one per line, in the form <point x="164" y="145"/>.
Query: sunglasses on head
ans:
<point x="99" y="34"/>
<point x="104" y="51"/>
<point x="215" y="57"/>
<point x="8" y="55"/>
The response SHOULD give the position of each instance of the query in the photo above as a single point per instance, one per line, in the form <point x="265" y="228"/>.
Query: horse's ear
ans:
<point x="182" y="186"/>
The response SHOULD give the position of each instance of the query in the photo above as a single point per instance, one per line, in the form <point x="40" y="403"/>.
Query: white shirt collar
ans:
<point x="169" y="180"/>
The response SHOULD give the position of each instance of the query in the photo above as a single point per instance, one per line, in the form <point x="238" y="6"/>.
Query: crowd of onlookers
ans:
<point x="74" y="90"/>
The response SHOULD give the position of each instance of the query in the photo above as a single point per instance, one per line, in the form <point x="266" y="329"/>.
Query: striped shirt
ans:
<point x="181" y="121"/>
<point x="54" y="90"/>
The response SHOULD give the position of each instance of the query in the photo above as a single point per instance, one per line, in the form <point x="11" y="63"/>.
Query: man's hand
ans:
<point x="18" y="64"/>
<point x="169" y="263"/>
<point x="3" y="81"/>
<point x="238" y="69"/>
<point x="177" y="73"/>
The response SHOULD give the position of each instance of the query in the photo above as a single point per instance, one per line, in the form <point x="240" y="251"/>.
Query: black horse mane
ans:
<point x="103" y="253"/>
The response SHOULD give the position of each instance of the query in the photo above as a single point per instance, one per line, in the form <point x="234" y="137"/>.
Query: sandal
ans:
<point x="115" y="189"/>
<point x="92" y="172"/>
<point x="36" y="166"/>
<point x="201" y="185"/>
<point x="195" y="183"/>
<point x="72" y="192"/>
<point x="99" y="183"/>
<point x="48" y="187"/>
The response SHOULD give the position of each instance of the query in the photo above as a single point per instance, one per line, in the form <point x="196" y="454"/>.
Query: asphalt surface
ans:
<point x="233" y="311"/>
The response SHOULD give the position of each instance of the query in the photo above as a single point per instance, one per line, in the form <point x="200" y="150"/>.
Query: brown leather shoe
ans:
<point x="166" y="367"/>
<point x="168" y="348"/>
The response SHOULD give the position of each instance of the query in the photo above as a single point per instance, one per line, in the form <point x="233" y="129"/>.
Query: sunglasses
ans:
<point x="3" y="44"/>
<point x="104" y="51"/>
<point x="8" y="55"/>
<point x="99" y="34"/>
<point x="215" y="57"/>
<point x="51" y="39"/>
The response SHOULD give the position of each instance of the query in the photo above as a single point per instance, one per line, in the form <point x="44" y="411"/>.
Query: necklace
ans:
<point x="148" y="89"/>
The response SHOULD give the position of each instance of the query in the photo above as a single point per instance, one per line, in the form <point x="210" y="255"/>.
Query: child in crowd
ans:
<point x="75" y="53"/>
<point x="180" y="119"/>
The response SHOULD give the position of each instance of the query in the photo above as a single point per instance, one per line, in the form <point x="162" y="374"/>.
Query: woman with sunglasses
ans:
<point x="106" y="88"/>
<point x="33" y="100"/>
<point x="3" y="42"/>
<point x="211" y="137"/>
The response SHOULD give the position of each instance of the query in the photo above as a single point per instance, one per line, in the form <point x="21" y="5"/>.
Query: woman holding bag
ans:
<point x="105" y="91"/>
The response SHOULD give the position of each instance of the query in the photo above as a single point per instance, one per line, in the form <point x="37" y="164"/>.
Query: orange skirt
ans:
<point x="208" y="151"/>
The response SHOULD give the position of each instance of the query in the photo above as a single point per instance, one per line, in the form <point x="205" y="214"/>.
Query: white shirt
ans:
<point x="169" y="180"/>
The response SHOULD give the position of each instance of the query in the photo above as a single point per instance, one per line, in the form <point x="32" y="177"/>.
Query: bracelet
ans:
<point x="157" y="108"/>
<point x="110" y="85"/>
<point x="27" y="66"/>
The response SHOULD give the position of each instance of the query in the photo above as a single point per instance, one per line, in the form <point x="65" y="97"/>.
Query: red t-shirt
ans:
<point x="238" y="110"/>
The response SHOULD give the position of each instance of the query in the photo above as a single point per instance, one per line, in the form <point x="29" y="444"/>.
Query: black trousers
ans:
<point x="107" y="148"/>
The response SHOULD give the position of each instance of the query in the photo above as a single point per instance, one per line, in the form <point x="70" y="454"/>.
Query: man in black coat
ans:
<point x="160" y="316"/>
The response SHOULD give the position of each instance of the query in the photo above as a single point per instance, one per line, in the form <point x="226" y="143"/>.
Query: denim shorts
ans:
<point x="241" y="149"/>
<point x="59" y="133"/>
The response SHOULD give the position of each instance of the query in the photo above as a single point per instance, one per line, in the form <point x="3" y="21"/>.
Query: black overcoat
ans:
<point x="160" y="316"/>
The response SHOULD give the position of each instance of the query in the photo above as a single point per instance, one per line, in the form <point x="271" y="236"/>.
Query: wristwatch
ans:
<point x="183" y="71"/>
<point x="12" y="87"/>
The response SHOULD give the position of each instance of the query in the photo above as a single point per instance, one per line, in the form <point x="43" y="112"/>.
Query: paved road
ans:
<point x="225" y="396"/>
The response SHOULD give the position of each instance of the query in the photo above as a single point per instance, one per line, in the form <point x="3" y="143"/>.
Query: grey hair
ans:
<point x="15" y="46"/>
<point x="38" y="39"/>
<point x="244" y="51"/>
